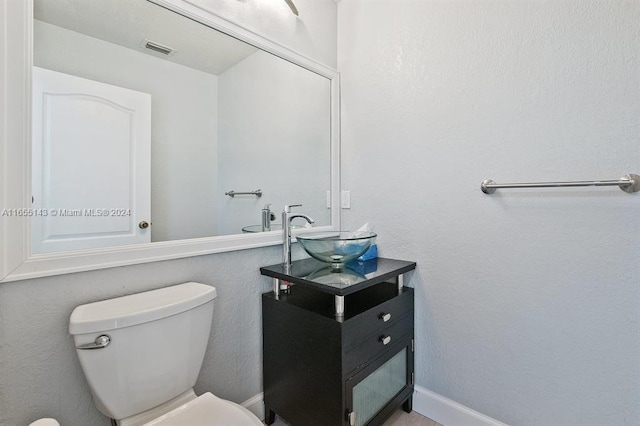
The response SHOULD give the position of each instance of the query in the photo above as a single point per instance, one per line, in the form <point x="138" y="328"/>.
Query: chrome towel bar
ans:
<point x="232" y="193"/>
<point x="628" y="183"/>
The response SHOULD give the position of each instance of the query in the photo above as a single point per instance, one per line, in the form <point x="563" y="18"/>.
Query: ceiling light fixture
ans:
<point x="293" y="7"/>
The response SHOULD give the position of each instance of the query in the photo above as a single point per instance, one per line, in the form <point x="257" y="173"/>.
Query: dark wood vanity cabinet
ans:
<point x="351" y="369"/>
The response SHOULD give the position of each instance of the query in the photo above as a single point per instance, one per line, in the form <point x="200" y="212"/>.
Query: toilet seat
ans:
<point x="45" y="422"/>
<point x="207" y="410"/>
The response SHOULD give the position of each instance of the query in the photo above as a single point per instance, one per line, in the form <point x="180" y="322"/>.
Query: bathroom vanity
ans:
<point x="337" y="347"/>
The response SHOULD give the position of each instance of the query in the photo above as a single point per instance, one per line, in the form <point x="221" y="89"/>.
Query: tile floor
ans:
<point x="399" y="418"/>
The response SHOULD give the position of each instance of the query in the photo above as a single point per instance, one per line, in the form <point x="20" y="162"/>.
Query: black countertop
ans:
<point x="356" y="275"/>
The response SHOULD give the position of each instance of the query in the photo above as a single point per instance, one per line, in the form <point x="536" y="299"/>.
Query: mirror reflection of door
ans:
<point x="91" y="168"/>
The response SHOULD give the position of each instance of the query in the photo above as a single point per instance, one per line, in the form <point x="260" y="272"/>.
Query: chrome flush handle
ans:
<point x="101" y="342"/>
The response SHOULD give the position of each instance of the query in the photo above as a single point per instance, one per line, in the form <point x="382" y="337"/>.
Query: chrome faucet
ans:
<point x="267" y="217"/>
<point x="287" y="217"/>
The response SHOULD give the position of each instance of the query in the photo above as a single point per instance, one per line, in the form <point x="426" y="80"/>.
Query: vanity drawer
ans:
<point x="379" y="316"/>
<point x="361" y="352"/>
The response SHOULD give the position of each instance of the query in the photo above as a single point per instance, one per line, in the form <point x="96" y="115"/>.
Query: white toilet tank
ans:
<point x="157" y="340"/>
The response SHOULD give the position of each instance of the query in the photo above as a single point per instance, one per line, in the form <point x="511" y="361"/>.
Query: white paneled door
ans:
<point x="91" y="164"/>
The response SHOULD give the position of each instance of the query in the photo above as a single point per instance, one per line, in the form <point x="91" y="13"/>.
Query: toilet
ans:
<point x="141" y="355"/>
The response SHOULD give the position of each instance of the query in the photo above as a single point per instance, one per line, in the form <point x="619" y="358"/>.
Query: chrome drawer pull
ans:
<point x="385" y="317"/>
<point x="101" y="341"/>
<point x="385" y="340"/>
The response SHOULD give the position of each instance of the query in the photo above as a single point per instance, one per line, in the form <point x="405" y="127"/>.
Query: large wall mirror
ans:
<point x="159" y="130"/>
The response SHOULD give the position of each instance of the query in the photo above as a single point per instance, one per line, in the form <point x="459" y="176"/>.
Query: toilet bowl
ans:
<point x="141" y="355"/>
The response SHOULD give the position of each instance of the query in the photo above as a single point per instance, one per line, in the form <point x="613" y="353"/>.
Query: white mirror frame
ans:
<point x="16" y="60"/>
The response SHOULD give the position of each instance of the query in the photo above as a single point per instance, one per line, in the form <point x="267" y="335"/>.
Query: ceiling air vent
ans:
<point x="157" y="47"/>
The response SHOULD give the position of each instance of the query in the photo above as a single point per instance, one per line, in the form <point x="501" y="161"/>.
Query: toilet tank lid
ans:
<point x="139" y="308"/>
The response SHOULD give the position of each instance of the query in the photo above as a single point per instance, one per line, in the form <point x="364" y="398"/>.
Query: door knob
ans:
<point x="144" y="224"/>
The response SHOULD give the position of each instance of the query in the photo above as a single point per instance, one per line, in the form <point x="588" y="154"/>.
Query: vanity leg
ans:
<point x="276" y="287"/>
<point x="400" y="283"/>
<point x="407" y="406"/>
<point x="269" y="415"/>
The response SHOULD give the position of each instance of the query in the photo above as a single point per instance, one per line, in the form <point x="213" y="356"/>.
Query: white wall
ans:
<point x="527" y="300"/>
<point x="253" y="152"/>
<point x="184" y="104"/>
<point x="39" y="372"/>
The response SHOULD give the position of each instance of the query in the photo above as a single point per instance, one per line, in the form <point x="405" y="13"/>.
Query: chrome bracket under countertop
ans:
<point x="339" y="304"/>
<point x="276" y="287"/>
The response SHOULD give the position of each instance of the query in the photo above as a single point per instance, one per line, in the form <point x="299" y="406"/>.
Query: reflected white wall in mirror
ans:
<point x="225" y="115"/>
<point x="274" y="122"/>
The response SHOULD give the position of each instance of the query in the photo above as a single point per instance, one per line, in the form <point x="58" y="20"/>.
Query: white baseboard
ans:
<point x="448" y="412"/>
<point x="443" y="410"/>
<point x="255" y="405"/>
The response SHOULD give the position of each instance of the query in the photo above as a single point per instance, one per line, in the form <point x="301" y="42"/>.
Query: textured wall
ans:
<point x="39" y="372"/>
<point x="528" y="303"/>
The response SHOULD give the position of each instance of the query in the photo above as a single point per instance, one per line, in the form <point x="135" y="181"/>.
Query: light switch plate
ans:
<point x="345" y="199"/>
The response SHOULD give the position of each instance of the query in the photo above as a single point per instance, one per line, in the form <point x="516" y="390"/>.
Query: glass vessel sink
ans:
<point x="339" y="279"/>
<point x="336" y="248"/>
<point x="274" y="227"/>
<point x="258" y="228"/>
